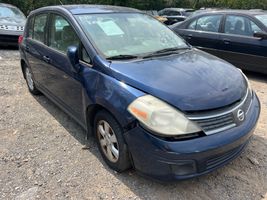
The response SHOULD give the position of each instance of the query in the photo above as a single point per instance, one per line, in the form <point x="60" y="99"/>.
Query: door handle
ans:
<point x="46" y="59"/>
<point x="27" y="48"/>
<point x="189" y="37"/>
<point x="226" y="41"/>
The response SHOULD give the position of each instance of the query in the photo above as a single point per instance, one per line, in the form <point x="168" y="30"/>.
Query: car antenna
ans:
<point x="60" y="2"/>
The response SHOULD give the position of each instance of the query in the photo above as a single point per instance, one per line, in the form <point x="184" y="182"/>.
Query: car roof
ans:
<point x="88" y="9"/>
<point x="230" y="11"/>
<point x="179" y="9"/>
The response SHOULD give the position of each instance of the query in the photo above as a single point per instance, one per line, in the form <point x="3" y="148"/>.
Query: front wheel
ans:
<point x="110" y="141"/>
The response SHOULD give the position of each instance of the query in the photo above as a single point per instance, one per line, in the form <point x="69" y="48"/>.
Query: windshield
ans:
<point x="128" y="34"/>
<point x="10" y="12"/>
<point x="262" y="18"/>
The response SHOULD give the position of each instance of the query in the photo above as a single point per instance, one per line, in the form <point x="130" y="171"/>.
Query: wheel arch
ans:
<point x="111" y="95"/>
<point x="23" y="65"/>
<point x="93" y="109"/>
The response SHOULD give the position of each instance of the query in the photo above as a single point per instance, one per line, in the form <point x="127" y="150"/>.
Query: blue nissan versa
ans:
<point x="152" y="101"/>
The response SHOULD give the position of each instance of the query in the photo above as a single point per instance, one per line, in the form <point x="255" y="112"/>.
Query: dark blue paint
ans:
<point x="158" y="155"/>
<point x="190" y="81"/>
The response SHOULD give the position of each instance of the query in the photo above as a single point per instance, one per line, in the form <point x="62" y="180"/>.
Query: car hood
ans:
<point x="12" y="21"/>
<point x="190" y="81"/>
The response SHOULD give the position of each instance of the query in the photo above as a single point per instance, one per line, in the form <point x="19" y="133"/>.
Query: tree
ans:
<point x="27" y="5"/>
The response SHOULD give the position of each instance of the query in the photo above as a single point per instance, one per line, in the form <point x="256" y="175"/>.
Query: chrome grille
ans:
<point x="222" y="122"/>
<point x="219" y="120"/>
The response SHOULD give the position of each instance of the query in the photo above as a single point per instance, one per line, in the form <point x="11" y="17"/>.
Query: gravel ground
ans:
<point x="43" y="156"/>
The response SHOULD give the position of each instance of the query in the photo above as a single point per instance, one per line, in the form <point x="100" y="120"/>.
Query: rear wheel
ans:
<point x="30" y="81"/>
<point x="110" y="142"/>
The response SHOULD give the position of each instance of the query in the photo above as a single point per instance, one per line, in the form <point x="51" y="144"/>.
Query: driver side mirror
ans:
<point x="260" y="35"/>
<point x="73" y="56"/>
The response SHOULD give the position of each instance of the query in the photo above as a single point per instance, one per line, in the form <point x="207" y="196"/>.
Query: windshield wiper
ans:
<point x="166" y="51"/>
<point x="122" y="57"/>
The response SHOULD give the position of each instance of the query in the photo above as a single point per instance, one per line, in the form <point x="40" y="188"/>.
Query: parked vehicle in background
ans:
<point x="257" y="10"/>
<point x="193" y="14"/>
<point x="12" y="22"/>
<point x="175" y="15"/>
<point x="203" y="10"/>
<point x="152" y="101"/>
<point x="238" y="36"/>
<point x="155" y="14"/>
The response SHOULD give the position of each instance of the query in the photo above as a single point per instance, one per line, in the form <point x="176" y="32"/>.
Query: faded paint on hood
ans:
<point x="190" y="81"/>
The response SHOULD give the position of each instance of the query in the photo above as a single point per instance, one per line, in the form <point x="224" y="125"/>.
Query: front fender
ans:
<point x="111" y="94"/>
<point x="115" y="96"/>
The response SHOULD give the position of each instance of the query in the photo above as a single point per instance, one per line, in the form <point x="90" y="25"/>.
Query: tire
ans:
<point x="108" y="132"/>
<point x="29" y="80"/>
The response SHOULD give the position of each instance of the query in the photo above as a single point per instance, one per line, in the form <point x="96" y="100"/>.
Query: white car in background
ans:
<point x="12" y="22"/>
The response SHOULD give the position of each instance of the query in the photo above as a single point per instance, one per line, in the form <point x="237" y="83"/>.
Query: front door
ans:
<point x="63" y="82"/>
<point x="240" y="47"/>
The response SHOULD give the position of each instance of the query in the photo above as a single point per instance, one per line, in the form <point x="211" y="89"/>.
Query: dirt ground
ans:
<point x="42" y="154"/>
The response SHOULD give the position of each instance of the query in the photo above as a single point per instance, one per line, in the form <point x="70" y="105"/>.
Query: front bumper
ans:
<point x="177" y="160"/>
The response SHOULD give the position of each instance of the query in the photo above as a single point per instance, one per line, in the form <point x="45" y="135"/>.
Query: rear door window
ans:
<point x="39" y="28"/>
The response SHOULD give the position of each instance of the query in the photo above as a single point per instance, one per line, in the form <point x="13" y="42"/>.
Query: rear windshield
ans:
<point x="10" y="12"/>
<point x="262" y="18"/>
<point x="188" y="13"/>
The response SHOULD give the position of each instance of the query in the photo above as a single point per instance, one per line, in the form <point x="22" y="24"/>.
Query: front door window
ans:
<point x="239" y="25"/>
<point x="62" y="35"/>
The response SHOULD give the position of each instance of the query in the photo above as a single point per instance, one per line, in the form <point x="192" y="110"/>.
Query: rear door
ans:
<point x="240" y="47"/>
<point x="35" y="47"/>
<point x="203" y="32"/>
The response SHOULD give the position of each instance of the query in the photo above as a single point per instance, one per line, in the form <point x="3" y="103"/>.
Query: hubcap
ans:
<point x="108" y="141"/>
<point x="29" y="78"/>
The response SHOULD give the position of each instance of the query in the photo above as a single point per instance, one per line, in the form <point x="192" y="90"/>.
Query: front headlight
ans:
<point x="160" y="117"/>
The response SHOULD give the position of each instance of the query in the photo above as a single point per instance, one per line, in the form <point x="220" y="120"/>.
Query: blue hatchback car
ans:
<point x="153" y="102"/>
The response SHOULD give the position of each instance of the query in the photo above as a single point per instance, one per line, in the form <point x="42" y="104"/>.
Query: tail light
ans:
<point x="20" y="39"/>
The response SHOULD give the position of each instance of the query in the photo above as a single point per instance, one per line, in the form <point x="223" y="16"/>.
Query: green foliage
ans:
<point x="27" y="5"/>
<point x="236" y="4"/>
